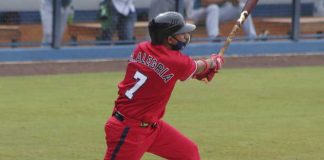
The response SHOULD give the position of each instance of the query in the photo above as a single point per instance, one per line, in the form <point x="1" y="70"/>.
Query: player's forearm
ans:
<point x="201" y="65"/>
<point x="214" y="62"/>
<point x="207" y="68"/>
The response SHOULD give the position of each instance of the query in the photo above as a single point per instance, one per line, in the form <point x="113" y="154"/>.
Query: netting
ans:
<point x="105" y="23"/>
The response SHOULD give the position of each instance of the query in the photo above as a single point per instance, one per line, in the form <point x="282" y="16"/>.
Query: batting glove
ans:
<point x="218" y="61"/>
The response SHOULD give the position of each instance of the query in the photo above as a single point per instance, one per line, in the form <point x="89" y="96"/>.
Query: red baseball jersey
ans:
<point x="151" y="74"/>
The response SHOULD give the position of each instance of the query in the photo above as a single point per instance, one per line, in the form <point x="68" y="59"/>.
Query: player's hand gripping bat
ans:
<point x="249" y="6"/>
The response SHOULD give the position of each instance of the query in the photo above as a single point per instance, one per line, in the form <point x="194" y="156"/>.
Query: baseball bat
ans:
<point x="248" y="7"/>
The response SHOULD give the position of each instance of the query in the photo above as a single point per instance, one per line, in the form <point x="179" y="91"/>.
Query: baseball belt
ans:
<point x="122" y="118"/>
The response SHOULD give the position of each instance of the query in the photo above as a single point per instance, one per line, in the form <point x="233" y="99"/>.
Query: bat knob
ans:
<point x="243" y="16"/>
<point x="245" y="13"/>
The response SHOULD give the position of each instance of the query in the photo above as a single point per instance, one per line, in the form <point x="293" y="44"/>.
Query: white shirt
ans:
<point x="189" y="6"/>
<point x="124" y="6"/>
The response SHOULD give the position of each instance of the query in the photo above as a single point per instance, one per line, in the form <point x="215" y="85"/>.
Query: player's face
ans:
<point x="184" y="37"/>
<point x="178" y="42"/>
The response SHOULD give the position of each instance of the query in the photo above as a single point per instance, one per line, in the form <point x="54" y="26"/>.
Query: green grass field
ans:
<point x="244" y="114"/>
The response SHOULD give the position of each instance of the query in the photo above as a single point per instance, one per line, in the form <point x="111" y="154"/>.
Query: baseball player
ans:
<point x="135" y="126"/>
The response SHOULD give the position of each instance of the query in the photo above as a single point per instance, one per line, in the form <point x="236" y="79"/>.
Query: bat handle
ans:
<point x="242" y="18"/>
<point x="238" y="25"/>
<point x="229" y="40"/>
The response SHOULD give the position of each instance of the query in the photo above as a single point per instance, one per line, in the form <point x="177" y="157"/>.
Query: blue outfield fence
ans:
<point x="195" y="49"/>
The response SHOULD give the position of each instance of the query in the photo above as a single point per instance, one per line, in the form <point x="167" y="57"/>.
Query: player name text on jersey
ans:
<point x="151" y="62"/>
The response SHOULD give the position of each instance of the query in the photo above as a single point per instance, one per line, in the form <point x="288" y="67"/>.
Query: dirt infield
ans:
<point x="45" y="68"/>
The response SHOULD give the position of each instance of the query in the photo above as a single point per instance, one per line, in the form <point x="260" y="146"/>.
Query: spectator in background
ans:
<point x="117" y="15"/>
<point x="163" y="6"/>
<point x="215" y="11"/>
<point x="318" y="8"/>
<point x="46" y="12"/>
<point x="160" y="6"/>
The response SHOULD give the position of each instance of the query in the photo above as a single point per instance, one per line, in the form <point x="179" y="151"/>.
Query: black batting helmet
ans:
<point x="168" y="24"/>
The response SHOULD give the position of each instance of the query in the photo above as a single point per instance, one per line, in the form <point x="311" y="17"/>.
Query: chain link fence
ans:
<point x="84" y="23"/>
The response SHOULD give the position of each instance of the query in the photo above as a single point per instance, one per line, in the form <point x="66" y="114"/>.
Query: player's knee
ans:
<point x="213" y="8"/>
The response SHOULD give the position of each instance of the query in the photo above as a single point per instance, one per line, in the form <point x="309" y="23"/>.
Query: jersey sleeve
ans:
<point x="187" y="67"/>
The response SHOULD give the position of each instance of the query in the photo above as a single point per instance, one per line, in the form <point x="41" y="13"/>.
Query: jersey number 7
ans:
<point x="141" y="79"/>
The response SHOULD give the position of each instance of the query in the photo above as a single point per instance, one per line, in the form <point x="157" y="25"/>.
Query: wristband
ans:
<point x="207" y="65"/>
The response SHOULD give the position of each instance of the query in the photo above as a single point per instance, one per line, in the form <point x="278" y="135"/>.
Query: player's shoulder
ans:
<point x="144" y="44"/>
<point x="181" y="56"/>
<point x="140" y="47"/>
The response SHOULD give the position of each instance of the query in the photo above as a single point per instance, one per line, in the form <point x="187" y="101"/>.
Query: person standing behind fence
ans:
<point x="118" y="15"/>
<point x="318" y="8"/>
<point x="160" y="6"/>
<point x="46" y="12"/>
<point x="215" y="11"/>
